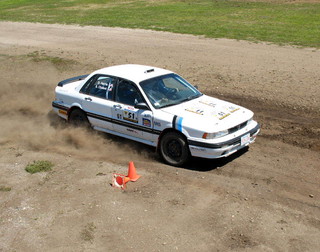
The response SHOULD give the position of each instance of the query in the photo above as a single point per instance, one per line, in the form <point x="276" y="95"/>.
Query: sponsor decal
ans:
<point x="146" y="122"/>
<point x="211" y="104"/>
<point x="233" y="109"/>
<point x="197" y="111"/>
<point x="158" y="124"/>
<point x="226" y="112"/>
<point x="221" y="115"/>
<point x="132" y="130"/>
<point x="198" y="149"/>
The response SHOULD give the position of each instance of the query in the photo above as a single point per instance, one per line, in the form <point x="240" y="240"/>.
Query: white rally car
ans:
<point x="157" y="107"/>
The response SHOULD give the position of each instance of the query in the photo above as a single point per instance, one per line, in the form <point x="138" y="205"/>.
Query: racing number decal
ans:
<point x="233" y="109"/>
<point x="226" y="112"/>
<point x="130" y="116"/>
<point x="222" y="115"/>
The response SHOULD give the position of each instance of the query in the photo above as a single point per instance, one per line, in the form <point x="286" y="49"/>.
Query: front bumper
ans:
<point x="222" y="149"/>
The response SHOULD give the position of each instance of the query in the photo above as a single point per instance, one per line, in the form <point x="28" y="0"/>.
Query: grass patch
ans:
<point x="274" y="21"/>
<point x="87" y="234"/>
<point x="60" y="63"/>
<point x="5" y="189"/>
<point x="41" y="56"/>
<point x="39" y="166"/>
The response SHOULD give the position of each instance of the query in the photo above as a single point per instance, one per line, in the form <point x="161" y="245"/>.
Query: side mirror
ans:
<point x="142" y="105"/>
<point x="196" y="86"/>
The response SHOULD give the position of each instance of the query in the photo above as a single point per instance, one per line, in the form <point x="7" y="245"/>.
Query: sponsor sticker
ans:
<point x="223" y="115"/>
<point x="233" y="109"/>
<point x="198" y="149"/>
<point x="158" y="124"/>
<point x="146" y="122"/>
<point x="211" y="104"/>
<point x="197" y="111"/>
<point x="132" y="130"/>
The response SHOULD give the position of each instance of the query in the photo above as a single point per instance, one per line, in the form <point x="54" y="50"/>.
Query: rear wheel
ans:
<point x="79" y="119"/>
<point x="174" y="149"/>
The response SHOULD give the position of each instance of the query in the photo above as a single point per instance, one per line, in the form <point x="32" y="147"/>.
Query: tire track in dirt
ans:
<point x="295" y="126"/>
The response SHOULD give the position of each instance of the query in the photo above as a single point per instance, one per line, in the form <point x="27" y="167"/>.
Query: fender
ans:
<point x="74" y="106"/>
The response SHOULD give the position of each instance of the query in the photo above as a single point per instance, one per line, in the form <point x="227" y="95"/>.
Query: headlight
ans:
<point x="250" y="121"/>
<point x="215" y="134"/>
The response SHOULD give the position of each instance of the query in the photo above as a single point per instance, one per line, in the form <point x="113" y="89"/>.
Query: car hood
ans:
<point x="205" y="112"/>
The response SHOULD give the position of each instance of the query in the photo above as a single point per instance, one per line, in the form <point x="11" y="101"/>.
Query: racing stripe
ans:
<point x="59" y="106"/>
<point x="177" y="123"/>
<point x="174" y="121"/>
<point x="122" y="123"/>
<point x="111" y="120"/>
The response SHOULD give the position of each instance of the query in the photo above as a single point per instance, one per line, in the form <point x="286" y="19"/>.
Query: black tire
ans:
<point x="174" y="149"/>
<point x="79" y="119"/>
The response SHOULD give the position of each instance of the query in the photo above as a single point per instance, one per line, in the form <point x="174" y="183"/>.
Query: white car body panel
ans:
<point x="192" y="118"/>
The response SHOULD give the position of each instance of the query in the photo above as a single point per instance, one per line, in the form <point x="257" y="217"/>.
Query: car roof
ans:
<point x="133" y="72"/>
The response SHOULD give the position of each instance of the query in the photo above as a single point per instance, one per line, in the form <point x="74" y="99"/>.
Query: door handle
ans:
<point x="88" y="99"/>
<point x="117" y="106"/>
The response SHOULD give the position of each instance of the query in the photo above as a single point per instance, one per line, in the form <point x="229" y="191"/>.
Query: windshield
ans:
<point x="168" y="90"/>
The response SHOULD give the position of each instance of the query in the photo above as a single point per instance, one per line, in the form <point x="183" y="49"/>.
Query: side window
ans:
<point x="86" y="86"/>
<point x="127" y="93"/>
<point x="101" y="86"/>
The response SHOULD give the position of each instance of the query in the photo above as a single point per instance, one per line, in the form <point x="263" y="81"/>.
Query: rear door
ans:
<point x="97" y="95"/>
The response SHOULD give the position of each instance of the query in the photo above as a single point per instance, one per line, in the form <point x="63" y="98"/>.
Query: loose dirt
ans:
<point x="265" y="198"/>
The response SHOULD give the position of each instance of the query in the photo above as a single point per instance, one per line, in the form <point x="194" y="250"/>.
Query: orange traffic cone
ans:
<point x="119" y="180"/>
<point x="132" y="174"/>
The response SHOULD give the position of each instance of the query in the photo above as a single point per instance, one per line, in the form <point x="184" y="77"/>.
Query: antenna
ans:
<point x="149" y="70"/>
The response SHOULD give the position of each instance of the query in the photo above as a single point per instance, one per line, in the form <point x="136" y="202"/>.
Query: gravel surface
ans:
<point x="266" y="198"/>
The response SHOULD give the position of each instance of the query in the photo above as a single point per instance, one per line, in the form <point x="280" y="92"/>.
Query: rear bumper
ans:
<point x="221" y="149"/>
<point x="60" y="110"/>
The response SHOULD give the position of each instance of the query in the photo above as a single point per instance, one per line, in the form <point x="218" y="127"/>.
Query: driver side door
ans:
<point x="127" y="120"/>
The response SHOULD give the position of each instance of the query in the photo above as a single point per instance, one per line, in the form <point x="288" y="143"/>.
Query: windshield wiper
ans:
<point x="171" y="104"/>
<point x="191" y="97"/>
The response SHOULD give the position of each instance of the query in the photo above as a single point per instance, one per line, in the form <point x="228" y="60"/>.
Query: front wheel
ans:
<point x="174" y="149"/>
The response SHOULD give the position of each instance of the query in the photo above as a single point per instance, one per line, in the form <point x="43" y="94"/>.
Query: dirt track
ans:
<point x="264" y="199"/>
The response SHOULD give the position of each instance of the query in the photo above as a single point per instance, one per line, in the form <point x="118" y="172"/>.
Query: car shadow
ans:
<point x="204" y="165"/>
<point x="195" y="164"/>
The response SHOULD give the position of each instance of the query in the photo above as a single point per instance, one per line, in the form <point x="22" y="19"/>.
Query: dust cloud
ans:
<point x="27" y="120"/>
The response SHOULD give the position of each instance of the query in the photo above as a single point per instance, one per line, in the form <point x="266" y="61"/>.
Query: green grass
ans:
<point x="5" y="189"/>
<point x="39" y="166"/>
<point x="87" y="233"/>
<point x="276" y="22"/>
<point x="60" y="63"/>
